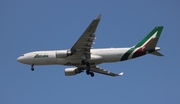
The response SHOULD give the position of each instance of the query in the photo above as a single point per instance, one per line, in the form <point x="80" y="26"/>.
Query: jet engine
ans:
<point x="72" y="71"/>
<point x="63" y="53"/>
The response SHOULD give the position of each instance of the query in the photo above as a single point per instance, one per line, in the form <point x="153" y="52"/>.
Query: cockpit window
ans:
<point x="22" y="55"/>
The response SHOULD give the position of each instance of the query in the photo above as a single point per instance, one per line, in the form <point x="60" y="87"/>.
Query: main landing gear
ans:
<point x="88" y="72"/>
<point x="32" y="67"/>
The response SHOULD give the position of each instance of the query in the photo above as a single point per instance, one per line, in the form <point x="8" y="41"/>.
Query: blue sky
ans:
<point x="30" y="25"/>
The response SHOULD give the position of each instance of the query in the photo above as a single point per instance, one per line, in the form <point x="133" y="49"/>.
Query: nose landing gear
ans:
<point x="32" y="67"/>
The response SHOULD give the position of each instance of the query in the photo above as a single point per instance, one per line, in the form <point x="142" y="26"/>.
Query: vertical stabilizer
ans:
<point x="147" y="45"/>
<point x="151" y="39"/>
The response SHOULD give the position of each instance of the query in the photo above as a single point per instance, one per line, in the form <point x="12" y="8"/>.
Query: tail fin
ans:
<point x="150" y="41"/>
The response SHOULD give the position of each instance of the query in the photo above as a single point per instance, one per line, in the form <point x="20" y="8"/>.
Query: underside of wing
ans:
<point x="105" y="72"/>
<point x="85" y="42"/>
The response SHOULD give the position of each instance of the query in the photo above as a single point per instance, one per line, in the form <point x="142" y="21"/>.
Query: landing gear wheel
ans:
<point x="92" y="74"/>
<point x="87" y="72"/>
<point x="32" y="69"/>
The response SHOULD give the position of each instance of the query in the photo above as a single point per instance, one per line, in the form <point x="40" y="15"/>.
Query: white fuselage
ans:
<point x="98" y="56"/>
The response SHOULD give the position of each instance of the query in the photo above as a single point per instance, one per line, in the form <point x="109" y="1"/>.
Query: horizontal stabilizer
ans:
<point x="120" y="74"/>
<point x="157" y="53"/>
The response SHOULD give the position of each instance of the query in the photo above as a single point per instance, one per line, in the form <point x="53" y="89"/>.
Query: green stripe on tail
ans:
<point x="155" y="33"/>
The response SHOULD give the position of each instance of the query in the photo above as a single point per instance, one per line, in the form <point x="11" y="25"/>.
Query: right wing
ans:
<point x="84" y="43"/>
<point x="105" y="72"/>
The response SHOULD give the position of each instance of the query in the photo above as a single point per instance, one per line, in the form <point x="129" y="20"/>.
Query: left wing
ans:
<point x="105" y="72"/>
<point x="84" y="43"/>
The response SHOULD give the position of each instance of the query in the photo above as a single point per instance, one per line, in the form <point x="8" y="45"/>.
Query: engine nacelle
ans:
<point x="72" y="71"/>
<point x="63" y="53"/>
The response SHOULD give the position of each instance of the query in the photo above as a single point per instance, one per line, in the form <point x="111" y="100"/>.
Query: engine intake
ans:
<point x="63" y="53"/>
<point x="72" y="71"/>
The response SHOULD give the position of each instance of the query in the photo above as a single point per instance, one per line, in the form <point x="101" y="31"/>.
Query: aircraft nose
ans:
<point x="23" y="59"/>
<point x="19" y="59"/>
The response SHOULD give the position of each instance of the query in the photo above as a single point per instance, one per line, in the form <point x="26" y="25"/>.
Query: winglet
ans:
<point x="98" y="17"/>
<point x="120" y="74"/>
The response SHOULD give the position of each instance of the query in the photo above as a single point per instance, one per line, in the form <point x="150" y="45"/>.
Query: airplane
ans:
<point x="85" y="58"/>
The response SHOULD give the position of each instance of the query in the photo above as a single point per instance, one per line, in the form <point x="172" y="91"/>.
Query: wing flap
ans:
<point x="105" y="72"/>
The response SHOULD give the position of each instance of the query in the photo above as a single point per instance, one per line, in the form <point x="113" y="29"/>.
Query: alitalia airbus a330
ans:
<point x="84" y="58"/>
